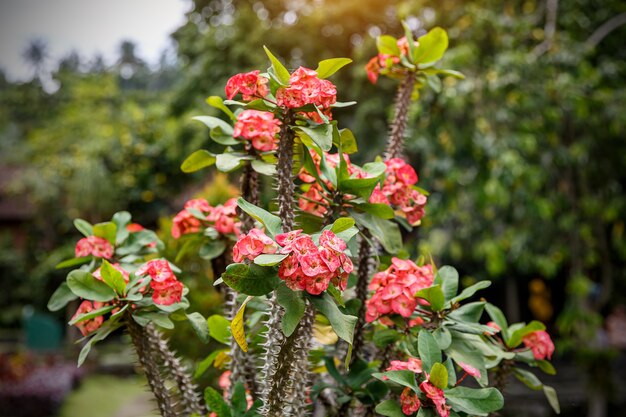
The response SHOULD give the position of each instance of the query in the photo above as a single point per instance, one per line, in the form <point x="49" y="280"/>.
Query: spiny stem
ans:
<point x="364" y="265"/>
<point x="402" y="104"/>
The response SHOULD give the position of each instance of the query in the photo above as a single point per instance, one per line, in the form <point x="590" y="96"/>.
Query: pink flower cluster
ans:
<point x="409" y="401"/>
<point x="540" y="343"/>
<point x="90" y="325"/>
<point x="249" y="84"/>
<point x="412" y="364"/>
<point x="396" y="287"/>
<point x="222" y="217"/>
<point x="306" y="88"/>
<point x="310" y="267"/>
<point x="383" y="63"/>
<point x="259" y="127"/>
<point x="165" y="286"/>
<point x="437" y="396"/>
<point x="398" y="190"/>
<point x="253" y="244"/>
<point x="93" y="245"/>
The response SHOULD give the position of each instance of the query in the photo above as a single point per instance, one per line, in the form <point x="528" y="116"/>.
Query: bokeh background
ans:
<point x="525" y="160"/>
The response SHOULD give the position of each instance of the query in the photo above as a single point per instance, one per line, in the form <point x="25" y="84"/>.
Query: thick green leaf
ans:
<point x="553" y="399"/>
<point x="218" y="136"/>
<point x="409" y="37"/>
<point x="216" y="403"/>
<point x="474" y="401"/>
<point x="322" y="135"/>
<point x="86" y="286"/>
<point x="443" y="337"/>
<point x="199" y="325"/>
<point x="389" y="408"/>
<point x="515" y="337"/>
<point x="439" y="375"/>
<point x="250" y="279"/>
<point x="428" y="349"/>
<point x="404" y="378"/>
<point x="197" y="160"/>
<point x="219" y="328"/>
<point x="431" y="46"/>
<point x="342" y="324"/>
<point x="269" y="259"/>
<point x="91" y="315"/>
<point x="106" y="329"/>
<point x="73" y="262"/>
<point x="451" y="371"/>
<point x="434" y="295"/>
<point x="294" y="307"/>
<point x="347" y="142"/>
<point x="227" y="162"/>
<point x="546" y="367"/>
<point x="121" y="220"/>
<point x="213" y="122"/>
<point x="206" y="363"/>
<point x="342" y="224"/>
<point x="264" y="168"/>
<point x="218" y="103"/>
<point x="106" y="230"/>
<point x="385" y="231"/>
<point x="498" y="317"/>
<point x="448" y="277"/>
<point x="272" y="223"/>
<point x="528" y="378"/>
<point x="159" y="318"/>
<point x="211" y="250"/>
<point x="61" y="297"/>
<point x="385" y="337"/>
<point x="328" y="67"/>
<point x="470" y="291"/>
<point x="113" y="278"/>
<point x="471" y="312"/>
<point x="238" y="400"/>
<point x="281" y="73"/>
<point x="387" y="45"/>
<point x="379" y="210"/>
<point x="84" y="227"/>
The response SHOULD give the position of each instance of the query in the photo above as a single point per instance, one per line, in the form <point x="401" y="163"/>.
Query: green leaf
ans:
<point x="159" y="318"/>
<point x="434" y="295"/>
<point x="553" y="399"/>
<point x="227" y="162"/>
<point x="387" y="232"/>
<point x="328" y="67"/>
<point x="294" y="307"/>
<point x="269" y="259"/>
<point x="409" y="37"/>
<point x="84" y="227"/>
<point x="439" y="375"/>
<point x="342" y="324"/>
<point x="387" y="45"/>
<point x="250" y="279"/>
<point x="389" y="408"/>
<point x="342" y="224"/>
<point x="264" y="168"/>
<point x="451" y="371"/>
<point x="206" y="363"/>
<point x="91" y="315"/>
<point x="121" y="220"/>
<point x="218" y="136"/>
<point x="272" y="223"/>
<point x="281" y="73"/>
<point x="445" y="72"/>
<point x="443" y="337"/>
<point x="113" y="278"/>
<point x="219" y="328"/>
<point x="470" y="291"/>
<point x="107" y="230"/>
<point x="516" y="336"/>
<point x="61" y="297"/>
<point x="474" y="401"/>
<point x="347" y="142"/>
<point x="428" y="349"/>
<point x="106" y="329"/>
<point x="211" y="250"/>
<point x="404" y="378"/>
<point x="238" y="401"/>
<point x="498" y="317"/>
<point x="218" y="103"/>
<point x="200" y="326"/>
<point x="546" y="367"/>
<point x="385" y="337"/>
<point x="216" y="403"/>
<point x="379" y="210"/>
<point x="361" y="187"/>
<point x="322" y="135"/>
<point x="197" y="160"/>
<point x="471" y="312"/>
<point x="73" y="262"/>
<point x="431" y="46"/>
<point x="528" y="378"/>
<point x="86" y="286"/>
<point x="448" y="277"/>
<point x="213" y="122"/>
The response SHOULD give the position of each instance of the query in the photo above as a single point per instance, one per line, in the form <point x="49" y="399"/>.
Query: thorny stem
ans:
<point x="364" y="265"/>
<point x="395" y="143"/>
<point x="500" y="379"/>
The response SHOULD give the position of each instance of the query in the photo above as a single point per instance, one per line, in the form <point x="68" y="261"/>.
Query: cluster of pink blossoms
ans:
<point x="259" y="127"/>
<point x="306" y="88"/>
<point x="94" y="245"/>
<point x="222" y="217"/>
<point x="90" y="325"/>
<point x="386" y="61"/>
<point x="250" y="84"/>
<point x="307" y="267"/>
<point x="540" y="344"/>
<point x="398" y="191"/>
<point x="395" y="289"/>
<point x="165" y="286"/>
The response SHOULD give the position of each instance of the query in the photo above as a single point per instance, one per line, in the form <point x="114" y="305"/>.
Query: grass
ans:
<point x="109" y="396"/>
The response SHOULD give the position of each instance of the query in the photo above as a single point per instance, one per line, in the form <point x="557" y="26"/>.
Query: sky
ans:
<point x="87" y="26"/>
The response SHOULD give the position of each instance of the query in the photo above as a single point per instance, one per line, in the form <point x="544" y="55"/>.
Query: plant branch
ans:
<point x="402" y="104"/>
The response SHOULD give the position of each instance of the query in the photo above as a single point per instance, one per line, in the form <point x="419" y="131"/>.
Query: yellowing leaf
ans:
<point x="221" y="360"/>
<point x="237" y="326"/>
<point x="324" y="334"/>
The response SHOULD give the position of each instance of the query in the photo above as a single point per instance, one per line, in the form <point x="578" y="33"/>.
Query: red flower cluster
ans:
<point x="259" y="127"/>
<point x="383" y="63"/>
<point x="223" y="218"/>
<point x="436" y="395"/>
<point x="249" y="84"/>
<point x="395" y="289"/>
<point x="310" y="267"/>
<point x="398" y="190"/>
<point x="252" y="245"/>
<point x="306" y="88"/>
<point x="90" y="325"/>
<point x="540" y="343"/>
<point x="409" y="401"/>
<point x="93" y="245"/>
<point x="413" y="364"/>
<point x="166" y="288"/>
